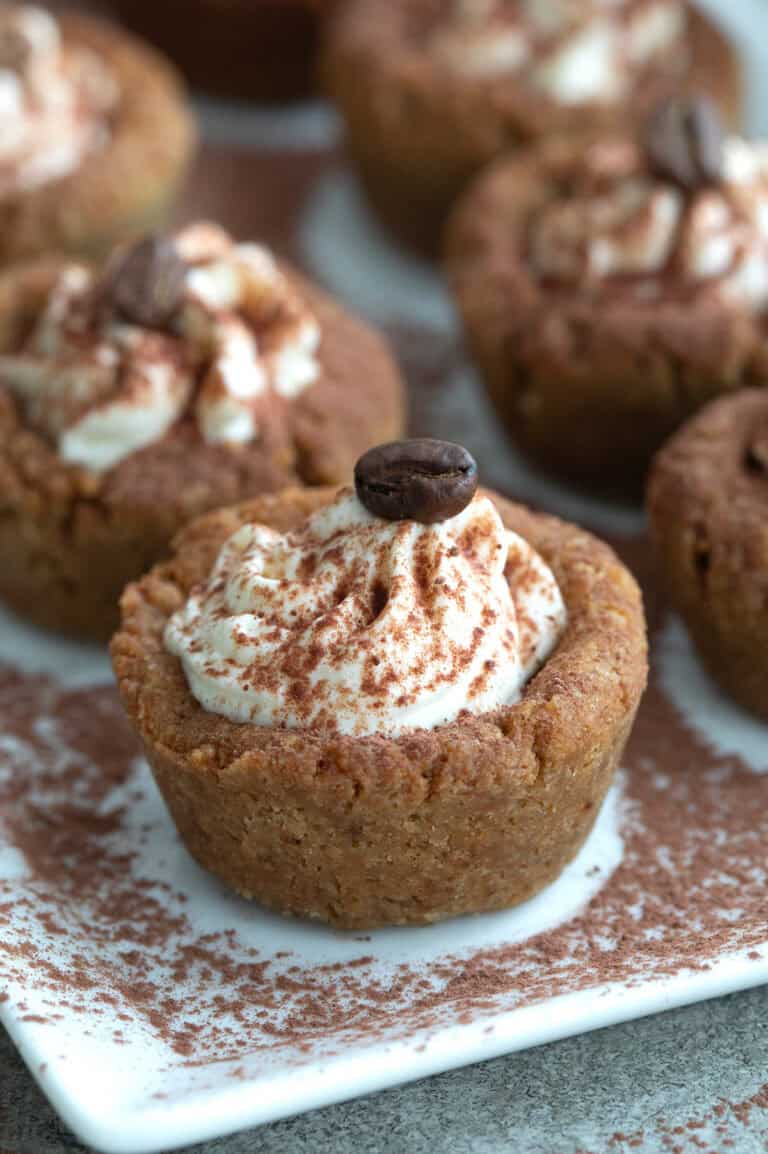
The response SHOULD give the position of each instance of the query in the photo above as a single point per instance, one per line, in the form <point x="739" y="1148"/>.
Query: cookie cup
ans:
<point x="418" y="133"/>
<point x="475" y="815"/>
<point x="72" y="539"/>
<point x="128" y="186"/>
<point x="588" y="386"/>
<point x="708" y="512"/>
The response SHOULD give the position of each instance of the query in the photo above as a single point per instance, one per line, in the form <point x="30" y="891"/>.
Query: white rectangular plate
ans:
<point x="155" y="1009"/>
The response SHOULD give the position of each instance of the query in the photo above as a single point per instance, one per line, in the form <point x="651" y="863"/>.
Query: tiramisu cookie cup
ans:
<point x="255" y="49"/>
<point x="95" y="136"/>
<point x="188" y="373"/>
<point x="608" y="291"/>
<point x="384" y="707"/>
<point x="432" y="90"/>
<point x="708" y="510"/>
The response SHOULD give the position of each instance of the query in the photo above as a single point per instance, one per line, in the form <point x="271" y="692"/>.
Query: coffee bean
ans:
<point x="15" y="51"/>
<point x="16" y="47"/>
<point x="756" y="454"/>
<point x="684" y="143"/>
<point x="144" y="285"/>
<point x="420" y="480"/>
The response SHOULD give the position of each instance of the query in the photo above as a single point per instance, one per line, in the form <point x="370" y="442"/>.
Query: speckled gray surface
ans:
<point x="694" y="1081"/>
<point x="690" y="1082"/>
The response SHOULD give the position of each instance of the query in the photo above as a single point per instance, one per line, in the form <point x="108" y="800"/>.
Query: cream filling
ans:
<point x="54" y="101"/>
<point x="720" y="243"/>
<point x="571" y="52"/>
<point x="103" y="390"/>
<point x="365" y="626"/>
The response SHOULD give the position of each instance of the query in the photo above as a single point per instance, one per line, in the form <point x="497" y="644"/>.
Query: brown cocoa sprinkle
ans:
<point x="685" y="1138"/>
<point x="125" y="944"/>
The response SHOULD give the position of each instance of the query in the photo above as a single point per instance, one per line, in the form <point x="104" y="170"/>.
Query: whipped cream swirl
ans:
<point x="55" y="100"/>
<point x="101" y="388"/>
<point x="648" y="233"/>
<point x="357" y="625"/>
<point x="571" y="51"/>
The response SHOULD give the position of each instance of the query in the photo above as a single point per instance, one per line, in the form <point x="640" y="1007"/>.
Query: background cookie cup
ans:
<point x="708" y="510"/>
<point x="590" y="381"/>
<point x="475" y="815"/>
<point x="72" y="538"/>
<point x="128" y="185"/>
<point x="418" y="131"/>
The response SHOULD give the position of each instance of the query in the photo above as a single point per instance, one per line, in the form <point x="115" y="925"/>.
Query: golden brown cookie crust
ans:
<point x="128" y="186"/>
<point x="708" y="510"/>
<point x="418" y="134"/>
<point x="475" y="815"/>
<point x="72" y="540"/>
<point x="590" y="387"/>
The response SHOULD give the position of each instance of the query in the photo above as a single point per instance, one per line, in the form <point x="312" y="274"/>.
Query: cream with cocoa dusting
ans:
<point x="359" y="625"/>
<point x="627" y="230"/>
<point x="570" y="51"/>
<point x="240" y="340"/>
<point x="55" y="100"/>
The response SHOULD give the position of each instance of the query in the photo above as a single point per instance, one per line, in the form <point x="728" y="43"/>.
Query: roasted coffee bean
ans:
<point x="145" y="284"/>
<point x="756" y="455"/>
<point x="420" y="480"/>
<point x="14" y="53"/>
<point x="684" y="143"/>
<point x="15" y="45"/>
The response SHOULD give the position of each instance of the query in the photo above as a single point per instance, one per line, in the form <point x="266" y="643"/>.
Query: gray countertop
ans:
<point x="694" y="1081"/>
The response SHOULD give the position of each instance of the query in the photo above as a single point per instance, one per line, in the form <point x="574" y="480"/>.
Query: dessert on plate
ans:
<point x="252" y="49"/>
<point x="387" y="704"/>
<point x="608" y="290"/>
<point x="95" y="135"/>
<point x="187" y="372"/>
<point x="708" y="511"/>
<point x="432" y="90"/>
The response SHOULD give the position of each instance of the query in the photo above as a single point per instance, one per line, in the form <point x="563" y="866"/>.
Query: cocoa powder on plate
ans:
<point x="93" y="930"/>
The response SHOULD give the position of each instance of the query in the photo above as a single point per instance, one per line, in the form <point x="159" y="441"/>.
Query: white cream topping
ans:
<point x="636" y="224"/>
<point x="627" y="230"/>
<point x="55" y="100"/>
<point x="727" y="241"/>
<point x="587" y="67"/>
<point x="571" y="51"/>
<point x="102" y="389"/>
<point x="155" y="397"/>
<point x="482" y="52"/>
<point x="265" y="338"/>
<point x="653" y="29"/>
<point x="361" y="626"/>
<point x="225" y="408"/>
<point x="99" y="399"/>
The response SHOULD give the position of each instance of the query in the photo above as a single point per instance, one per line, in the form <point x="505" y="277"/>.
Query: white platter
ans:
<point x="108" y="1093"/>
<point x="130" y="1076"/>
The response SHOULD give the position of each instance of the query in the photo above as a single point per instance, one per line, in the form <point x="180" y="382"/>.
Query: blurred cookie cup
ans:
<point x="610" y="289"/>
<point x="431" y="91"/>
<point x="95" y="134"/>
<point x="187" y="372"/>
<point x="708" y="514"/>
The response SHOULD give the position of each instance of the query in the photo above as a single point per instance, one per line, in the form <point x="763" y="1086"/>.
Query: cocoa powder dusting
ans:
<point x="685" y="1139"/>
<point x="91" y="928"/>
